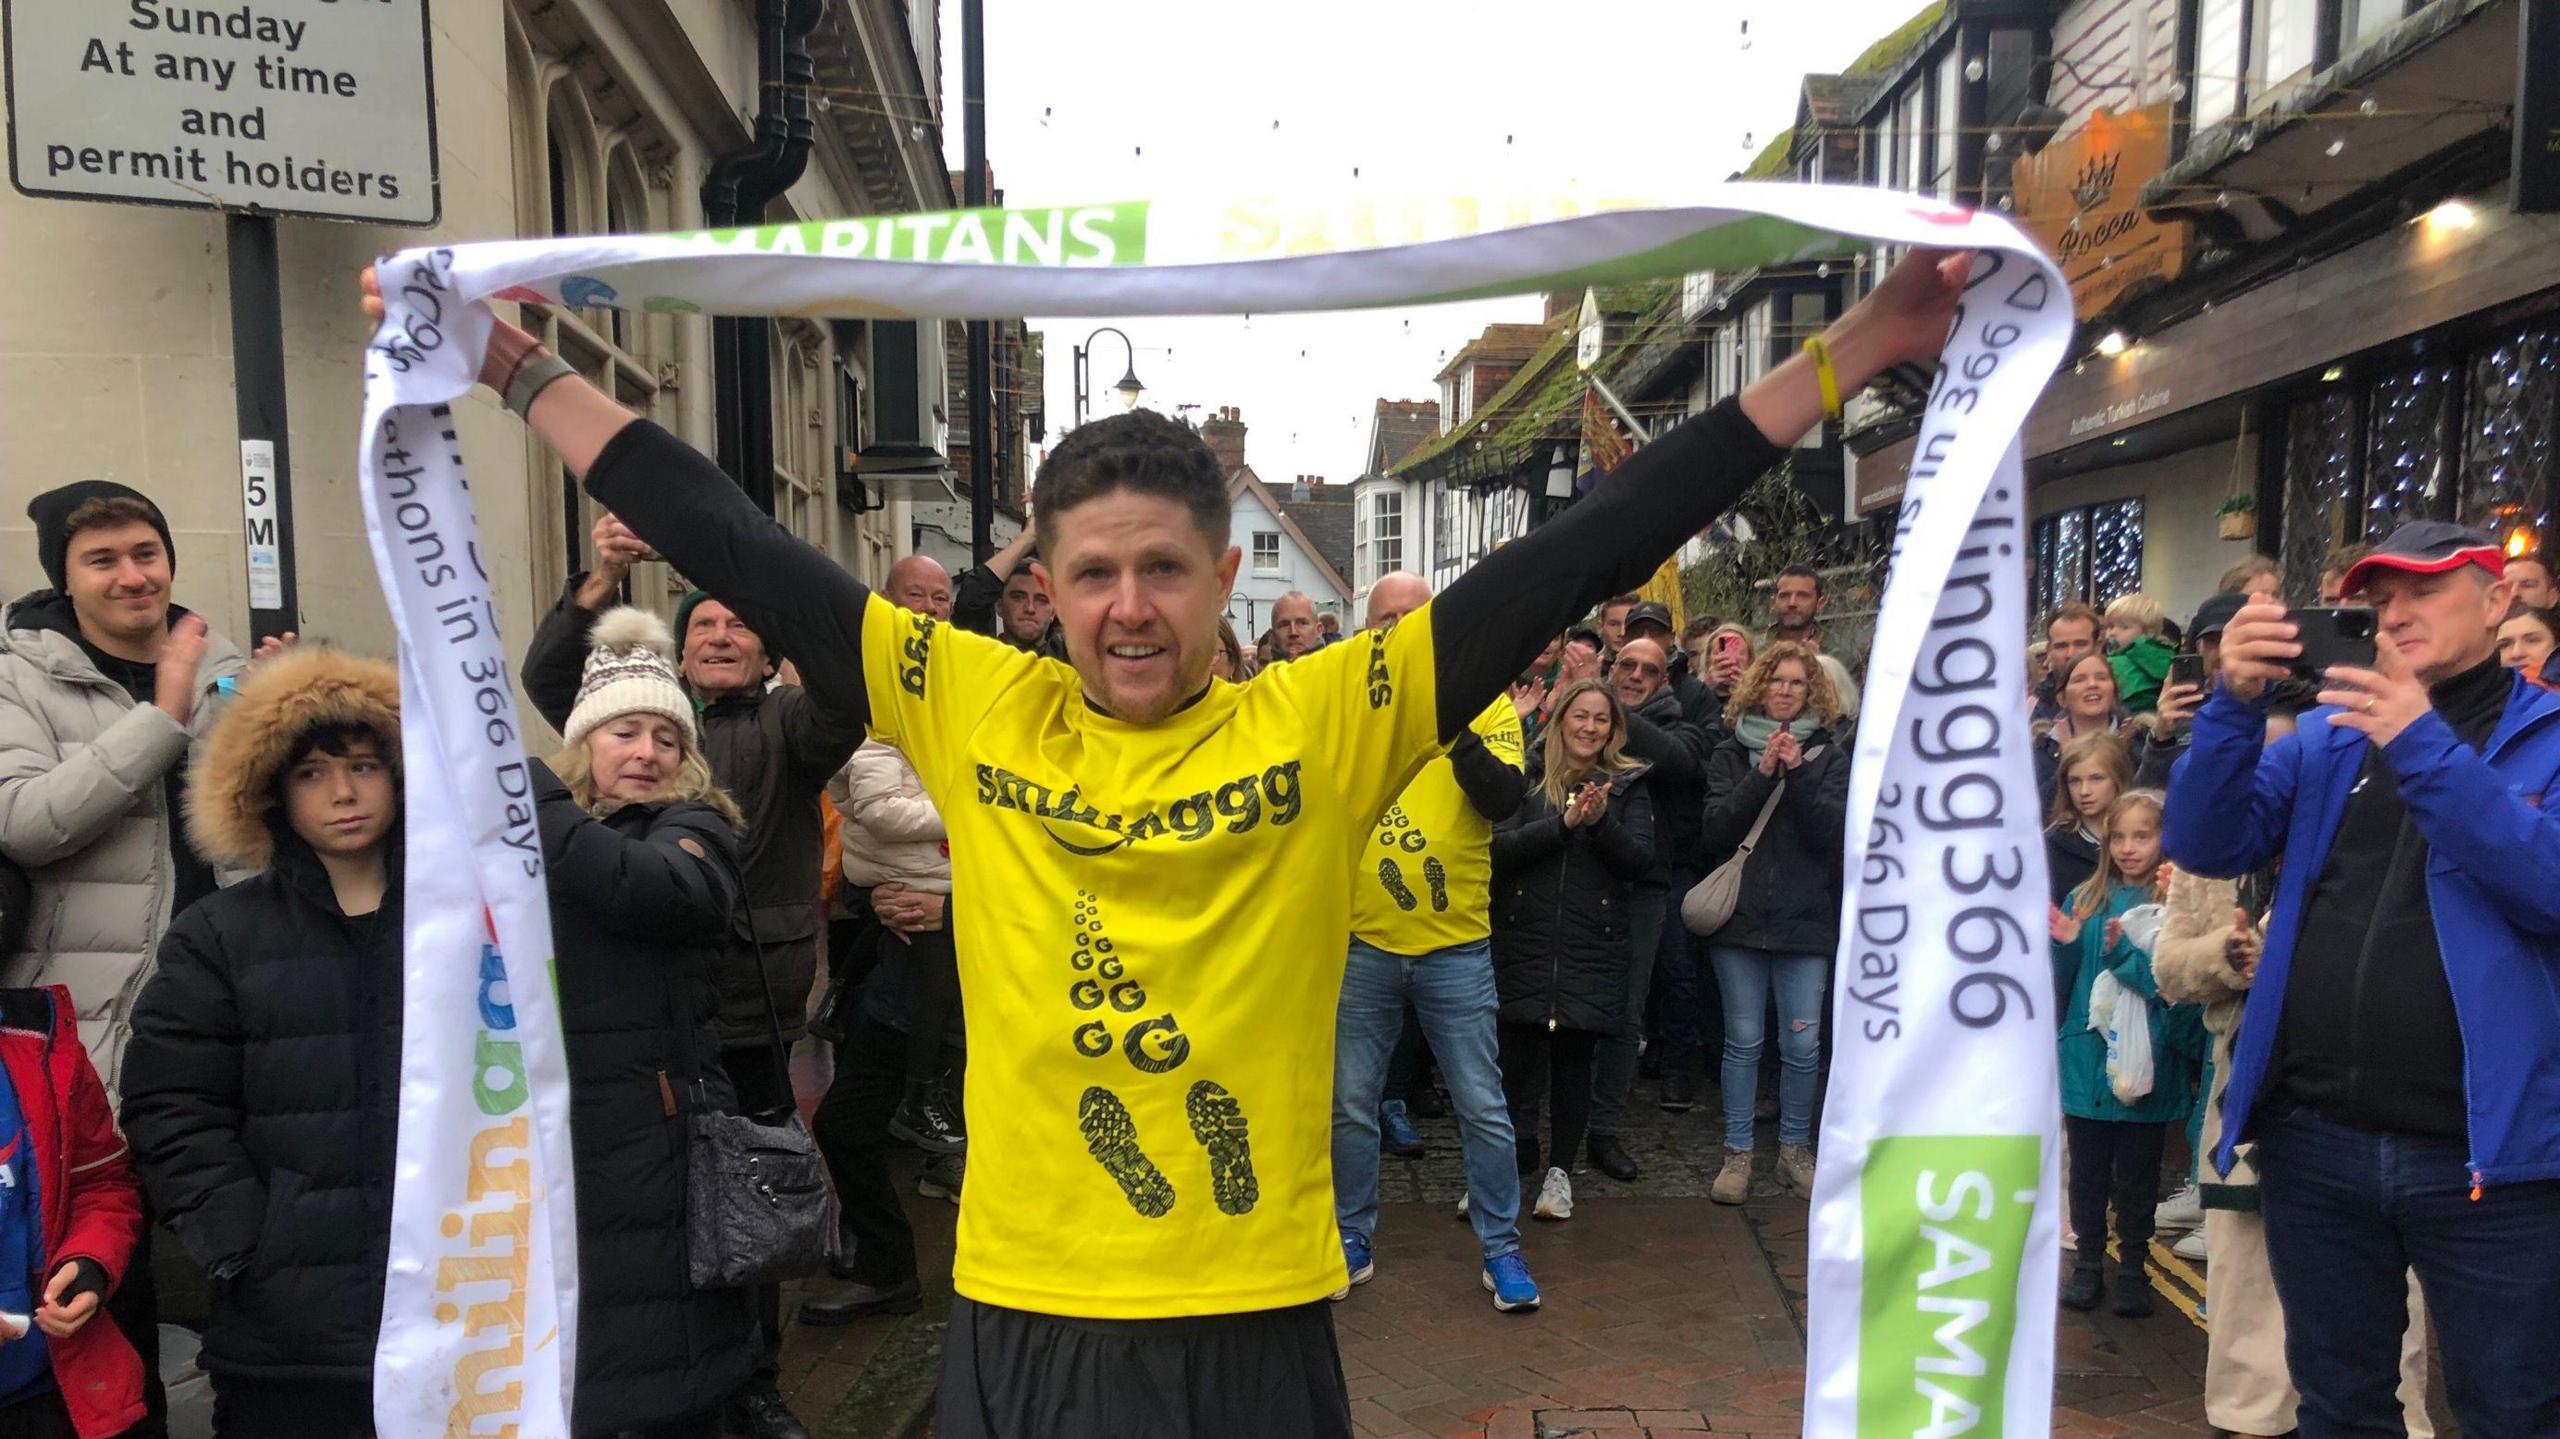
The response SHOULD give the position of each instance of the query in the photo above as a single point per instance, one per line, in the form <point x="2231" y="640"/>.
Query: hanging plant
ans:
<point x="2237" y="519"/>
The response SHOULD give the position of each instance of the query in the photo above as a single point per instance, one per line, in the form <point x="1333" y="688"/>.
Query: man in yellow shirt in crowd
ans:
<point x="1152" y="869"/>
<point x="1421" y="932"/>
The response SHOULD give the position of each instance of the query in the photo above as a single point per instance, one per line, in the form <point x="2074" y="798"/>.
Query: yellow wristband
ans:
<point x="1825" y="376"/>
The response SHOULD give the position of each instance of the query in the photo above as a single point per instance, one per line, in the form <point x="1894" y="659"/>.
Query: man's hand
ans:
<point x="2381" y="701"/>
<point x="2258" y="648"/>
<point x="181" y="655"/>
<point x="2177" y="703"/>
<point x="508" y="344"/>
<point x="905" y="912"/>
<point x="617" y="550"/>
<point x="272" y="646"/>
<point x="60" y="1320"/>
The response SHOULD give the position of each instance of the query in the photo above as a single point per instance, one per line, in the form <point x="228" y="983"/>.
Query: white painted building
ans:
<point x="1279" y="557"/>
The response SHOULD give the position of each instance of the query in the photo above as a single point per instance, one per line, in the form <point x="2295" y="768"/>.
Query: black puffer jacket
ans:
<point x="1660" y="733"/>
<point x="1562" y="907"/>
<point x="261" y="1095"/>
<point x="774" y="751"/>
<point x="1791" y="884"/>
<point x="637" y="919"/>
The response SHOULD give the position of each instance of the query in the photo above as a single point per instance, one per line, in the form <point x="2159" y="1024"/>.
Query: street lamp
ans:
<point x="1128" y="389"/>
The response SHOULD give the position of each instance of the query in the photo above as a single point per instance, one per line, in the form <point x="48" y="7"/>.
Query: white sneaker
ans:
<point x="2070" y="1241"/>
<point x="2182" y="1210"/>
<point x="1555" y="1196"/>
<point x="1462" y="1206"/>
<point x="2190" y="1248"/>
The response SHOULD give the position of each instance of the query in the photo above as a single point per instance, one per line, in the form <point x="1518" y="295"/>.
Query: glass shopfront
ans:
<point x="2468" y="437"/>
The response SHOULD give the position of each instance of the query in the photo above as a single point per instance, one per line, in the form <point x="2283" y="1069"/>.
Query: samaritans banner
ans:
<point x="1933" y="1263"/>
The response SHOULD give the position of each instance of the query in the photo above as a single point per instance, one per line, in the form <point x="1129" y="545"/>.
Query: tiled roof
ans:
<point x="1396" y="427"/>
<point x="1324" y="517"/>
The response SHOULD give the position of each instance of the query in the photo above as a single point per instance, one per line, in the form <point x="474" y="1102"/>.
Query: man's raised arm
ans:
<point x="689" y="511"/>
<point x="1492" y="619"/>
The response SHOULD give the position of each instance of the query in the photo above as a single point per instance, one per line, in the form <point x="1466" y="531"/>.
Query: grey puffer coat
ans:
<point x="84" y="810"/>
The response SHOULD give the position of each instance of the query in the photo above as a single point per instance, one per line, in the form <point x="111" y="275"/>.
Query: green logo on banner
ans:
<point x="1944" y="1232"/>
<point x="1078" y="235"/>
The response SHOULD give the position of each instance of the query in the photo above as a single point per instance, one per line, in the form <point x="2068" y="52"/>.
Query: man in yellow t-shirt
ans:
<point x="1147" y="1235"/>
<point x="1421" y="934"/>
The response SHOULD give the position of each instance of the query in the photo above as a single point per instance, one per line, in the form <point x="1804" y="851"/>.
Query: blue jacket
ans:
<point x="2493" y="883"/>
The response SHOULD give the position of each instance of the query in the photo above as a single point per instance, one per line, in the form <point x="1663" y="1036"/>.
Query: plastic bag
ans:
<point x="2124" y="1017"/>
<point x="2142" y="925"/>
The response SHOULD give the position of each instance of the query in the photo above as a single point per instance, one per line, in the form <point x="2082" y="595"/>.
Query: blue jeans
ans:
<point x="1452" y="993"/>
<point x="1745" y="977"/>
<point x="2349" y="1211"/>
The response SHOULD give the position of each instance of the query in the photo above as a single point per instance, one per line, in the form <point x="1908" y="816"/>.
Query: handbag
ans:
<point x="1709" y="904"/>
<point x="758" y="1207"/>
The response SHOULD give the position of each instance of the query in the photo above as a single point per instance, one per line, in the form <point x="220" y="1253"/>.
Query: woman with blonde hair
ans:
<point x="641" y="854"/>
<point x="1565" y="867"/>
<point x="1783" y="773"/>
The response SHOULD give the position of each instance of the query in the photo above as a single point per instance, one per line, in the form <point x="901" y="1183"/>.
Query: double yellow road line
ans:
<point x="2174" y="1279"/>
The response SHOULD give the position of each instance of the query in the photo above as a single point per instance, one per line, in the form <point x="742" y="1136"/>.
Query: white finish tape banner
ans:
<point x="1935" y="1219"/>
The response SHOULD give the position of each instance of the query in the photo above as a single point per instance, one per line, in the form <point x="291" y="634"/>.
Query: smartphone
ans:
<point x="1728" y="645"/>
<point x="2333" y="635"/>
<point x="2186" y="670"/>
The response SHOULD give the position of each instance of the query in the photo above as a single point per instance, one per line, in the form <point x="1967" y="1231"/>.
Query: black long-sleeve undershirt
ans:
<point x="1491" y="622"/>
<point x="1494" y="618"/>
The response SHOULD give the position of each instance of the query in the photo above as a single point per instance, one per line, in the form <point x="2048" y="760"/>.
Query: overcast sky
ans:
<point x="1153" y="99"/>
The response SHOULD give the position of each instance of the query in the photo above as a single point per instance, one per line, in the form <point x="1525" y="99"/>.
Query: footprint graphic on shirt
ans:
<point x="1390" y="875"/>
<point x="1436" y="875"/>
<point x="1112" y="1137"/>
<point x="1218" y="1122"/>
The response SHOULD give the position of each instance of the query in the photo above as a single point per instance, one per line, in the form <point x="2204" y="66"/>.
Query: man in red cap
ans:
<point x="2394" y="1063"/>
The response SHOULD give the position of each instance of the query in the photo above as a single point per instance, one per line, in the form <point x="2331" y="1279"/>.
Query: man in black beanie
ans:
<point x="105" y="686"/>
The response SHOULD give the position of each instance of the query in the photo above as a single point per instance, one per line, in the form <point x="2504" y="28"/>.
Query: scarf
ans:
<point x="1754" y="731"/>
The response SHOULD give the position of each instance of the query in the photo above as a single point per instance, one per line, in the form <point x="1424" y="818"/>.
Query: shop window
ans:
<point x="2511" y="418"/>
<point x="2092" y="553"/>
<point x="2321" y="472"/>
<point x="2471" y="440"/>
<point x="2408" y="471"/>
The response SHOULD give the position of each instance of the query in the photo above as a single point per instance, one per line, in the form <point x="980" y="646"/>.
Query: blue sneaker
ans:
<point x="1357" y="1262"/>
<point x="1508" y="1278"/>
<point x="1396" y="1134"/>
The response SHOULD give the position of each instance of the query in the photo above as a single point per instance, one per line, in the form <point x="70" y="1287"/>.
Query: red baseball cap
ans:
<point x="2427" y="547"/>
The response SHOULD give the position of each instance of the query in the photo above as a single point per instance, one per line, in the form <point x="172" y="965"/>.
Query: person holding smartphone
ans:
<point x="2392" y="1063"/>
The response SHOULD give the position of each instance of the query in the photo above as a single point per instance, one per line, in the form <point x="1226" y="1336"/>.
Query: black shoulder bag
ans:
<point x="758" y="1207"/>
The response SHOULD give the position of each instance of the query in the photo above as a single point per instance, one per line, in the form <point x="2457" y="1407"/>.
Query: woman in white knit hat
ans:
<point x="641" y="850"/>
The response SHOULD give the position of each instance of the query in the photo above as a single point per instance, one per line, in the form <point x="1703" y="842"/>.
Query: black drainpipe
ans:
<point x="735" y="192"/>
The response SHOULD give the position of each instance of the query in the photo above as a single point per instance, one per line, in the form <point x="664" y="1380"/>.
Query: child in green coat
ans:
<point x="2136" y="651"/>
<point x="2115" y="1144"/>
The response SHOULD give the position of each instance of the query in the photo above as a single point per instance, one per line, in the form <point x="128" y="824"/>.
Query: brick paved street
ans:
<point x="1664" y="1314"/>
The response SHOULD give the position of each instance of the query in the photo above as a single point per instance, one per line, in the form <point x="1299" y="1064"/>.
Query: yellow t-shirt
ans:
<point x="1150" y="922"/>
<point x="1426" y="882"/>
